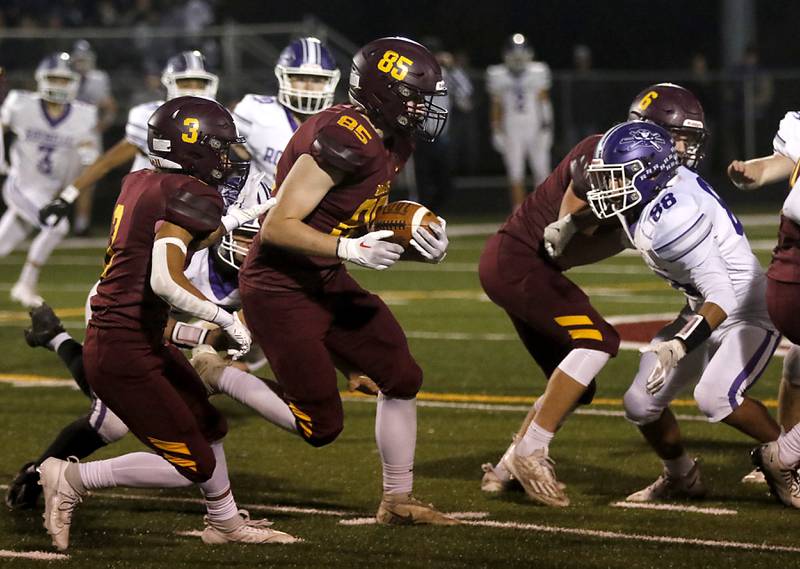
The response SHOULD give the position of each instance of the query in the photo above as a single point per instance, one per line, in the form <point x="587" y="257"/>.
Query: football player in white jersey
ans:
<point x="307" y="78"/>
<point x="185" y="74"/>
<point x="55" y="139"/>
<point x="723" y="339"/>
<point x="95" y="89"/>
<point x="521" y="115"/>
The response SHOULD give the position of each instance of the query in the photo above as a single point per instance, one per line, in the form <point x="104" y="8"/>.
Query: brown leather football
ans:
<point x="403" y="217"/>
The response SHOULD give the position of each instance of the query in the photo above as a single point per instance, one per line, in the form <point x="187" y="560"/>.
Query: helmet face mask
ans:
<point x="185" y="75"/>
<point x="233" y="247"/>
<point x="307" y="76"/>
<point x="633" y="162"/>
<point x="56" y="81"/>
<point x="395" y="81"/>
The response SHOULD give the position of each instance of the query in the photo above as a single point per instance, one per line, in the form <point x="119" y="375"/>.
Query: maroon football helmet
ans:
<point x="677" y="110"/>
<point x="395" y="80"/>
<point x="196" y="136"/>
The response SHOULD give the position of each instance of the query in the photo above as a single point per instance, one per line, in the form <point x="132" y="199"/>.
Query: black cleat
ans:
<point x="45" y="326"/>
<point x="24" y="490"/>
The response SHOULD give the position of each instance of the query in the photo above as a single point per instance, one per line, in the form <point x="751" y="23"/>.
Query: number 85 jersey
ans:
<point x="689" y="237"/>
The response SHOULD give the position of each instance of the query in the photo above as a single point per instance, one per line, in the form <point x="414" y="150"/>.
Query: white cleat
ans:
<point x="209" y="365"/>
<point x="667" y="487"/>
<point x="783" y="481"/>
<point x="250" y="531"/>
<point x="537" y="475"/>
<point x="26" y="296"/>
<point x="754" y="477"/>
<point x="60" y="500"/>
<point x="493" y="483"/>
<point x="405" y="510"/>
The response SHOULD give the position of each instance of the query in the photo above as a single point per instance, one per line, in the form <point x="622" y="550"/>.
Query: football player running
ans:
<point x="779" y="460"/>
<point x="159" y="217"/>
<point x="55" y="138"/>
<point x="723" y="339"/>
<point x="333" y="175"/>
<point x="564" y="334"/>
<point x="185" y="74"/>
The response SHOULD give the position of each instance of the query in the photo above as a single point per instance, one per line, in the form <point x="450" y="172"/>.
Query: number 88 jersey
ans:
<point x="47" y="153"/>
<point x="689" y="237"/>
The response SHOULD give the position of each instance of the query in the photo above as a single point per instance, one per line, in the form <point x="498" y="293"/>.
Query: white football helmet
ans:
<point x="233" y="246"/>
<point x="189" y="65"/>
<point x="56" y="81"/>
<point x="306" y="57"/>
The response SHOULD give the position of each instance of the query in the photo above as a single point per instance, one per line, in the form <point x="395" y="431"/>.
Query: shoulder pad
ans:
<point x="787" y="139"/>
<point x="337" y="147"/>
<point x="195" y="207"/>
<point x="683" y="227"/>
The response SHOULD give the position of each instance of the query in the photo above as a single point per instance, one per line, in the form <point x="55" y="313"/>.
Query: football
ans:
<point x="403" y="217"/>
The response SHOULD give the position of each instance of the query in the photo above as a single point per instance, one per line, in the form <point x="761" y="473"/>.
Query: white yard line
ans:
<point x="611" y="535"/>
<point x="36" y="555"/>
<point x="675" y="508"/>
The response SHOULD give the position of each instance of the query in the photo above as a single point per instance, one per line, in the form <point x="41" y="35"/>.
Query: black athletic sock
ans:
<point x="76" y="439"/>
<point x="71" y="353"/>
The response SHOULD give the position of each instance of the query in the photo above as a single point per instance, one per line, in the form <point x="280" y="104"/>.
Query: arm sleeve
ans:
<point x="787" y="139"/>
<point x="194" y="206"/>
<point x="337" y="148"/>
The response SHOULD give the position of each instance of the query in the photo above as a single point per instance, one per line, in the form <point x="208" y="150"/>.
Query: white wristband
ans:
<point x="188" y="335"/>
<point x="70" y="194"/>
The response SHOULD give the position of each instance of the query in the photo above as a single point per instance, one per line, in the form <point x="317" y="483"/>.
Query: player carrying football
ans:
<point x="334" y="174"/>
<point x="159" y="217"/>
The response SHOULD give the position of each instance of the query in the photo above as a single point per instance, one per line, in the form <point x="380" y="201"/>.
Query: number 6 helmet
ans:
<point x="196" y="136"/>
<point x="395" y="81"/>
<point x="632" y="163"/>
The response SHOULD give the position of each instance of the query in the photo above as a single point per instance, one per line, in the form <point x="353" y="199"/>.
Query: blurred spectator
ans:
<point x="464" y="129"/>
<point x="521" y="115"/>
<point x="584" y="119"/>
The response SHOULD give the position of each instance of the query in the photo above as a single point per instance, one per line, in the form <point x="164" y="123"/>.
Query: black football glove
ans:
<point x="54" y="212"/>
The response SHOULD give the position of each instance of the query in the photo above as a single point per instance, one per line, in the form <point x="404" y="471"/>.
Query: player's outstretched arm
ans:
<point x="752" y="174"/>
<point x="168" y="281"/>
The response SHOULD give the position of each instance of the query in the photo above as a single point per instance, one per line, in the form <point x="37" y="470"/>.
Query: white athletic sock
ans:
<point x="29" y="275"/>
<point x="535" y="438"/>
<point x="57" y="340"/>
<point x="41" y="247"/>
<point x="251" y="391"/>
<point x="679" y="467"/>
<point x="217" y="490"/>
<point x="789" y="447"/>
<point x="500" y="469"/>
<point x="396" y="435"/>
<point x="133" y="470"/>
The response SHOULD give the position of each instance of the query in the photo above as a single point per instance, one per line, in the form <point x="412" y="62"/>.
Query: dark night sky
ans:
<point x="628" y="34"/>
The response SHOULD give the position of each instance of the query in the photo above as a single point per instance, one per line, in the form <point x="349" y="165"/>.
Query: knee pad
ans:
<point x="640" y="407"/>
<point x="583" y="365"/>
<point x="404" y="383"/>
<point x="791" y="366"/>
<point x="714" y="405"/>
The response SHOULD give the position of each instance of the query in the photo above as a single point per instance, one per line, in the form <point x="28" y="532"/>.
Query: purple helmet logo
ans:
<point x="641" y="137"/>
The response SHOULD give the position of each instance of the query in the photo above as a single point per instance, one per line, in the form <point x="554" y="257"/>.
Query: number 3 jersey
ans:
<point x="47" y="153"/>
<point x="689" y="237"/>
<point x="340" y="140"/>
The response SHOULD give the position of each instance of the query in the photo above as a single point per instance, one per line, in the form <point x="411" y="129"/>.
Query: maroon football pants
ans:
<point x="783" y="304"/>
<point x="299" y="330"/>
<point x="153" y="388"/>
<point x="550" y="313"/>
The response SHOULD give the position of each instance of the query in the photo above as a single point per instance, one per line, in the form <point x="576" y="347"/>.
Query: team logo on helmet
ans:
<point x="642" y="138"/>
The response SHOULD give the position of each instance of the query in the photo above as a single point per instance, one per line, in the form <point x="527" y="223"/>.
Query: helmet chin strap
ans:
<point x="624" y="222"/>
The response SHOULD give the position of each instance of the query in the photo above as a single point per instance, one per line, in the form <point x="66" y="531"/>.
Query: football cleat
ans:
<point x="45" y="326"/>
<point x="784" y="482"/>
<point x="668" y="487"/>
<point x="249" y="531"/>
<point x="405" y="510"/>
<point x="755" y="476"/>
<point x="537" y="475"/>
<point x="24" y="490"/>
<point x="209" y="365"/>
<point x="492" y="482"/>
<point x="60" y="499"/>
<point x="26" y="296"/>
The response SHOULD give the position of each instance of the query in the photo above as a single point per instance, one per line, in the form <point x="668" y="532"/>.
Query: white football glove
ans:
<point x="237" y="331"/>
<point x="431" y="243"/>
<point x="669" y="353"/>
<point x="369" y="250"/>
<point x="236" y="217"/>
<point x="558" y="234"/>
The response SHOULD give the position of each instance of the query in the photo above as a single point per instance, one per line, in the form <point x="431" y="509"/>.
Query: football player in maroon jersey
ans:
<point x="521" y="271"/>
<point x="160" y="217"/>
<point x="335" y="172"/>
